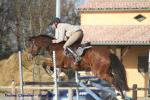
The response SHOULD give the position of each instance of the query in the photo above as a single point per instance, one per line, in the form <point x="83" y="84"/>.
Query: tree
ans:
<point x="23" y="18"/>
<point x="69" y="13"/>
<point x="33" y="16"/>
<point x="6" y="20"/>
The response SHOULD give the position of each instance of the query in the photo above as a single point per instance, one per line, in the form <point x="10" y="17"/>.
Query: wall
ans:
<point x="100" y="18"/>
<point x="130" y="61"/>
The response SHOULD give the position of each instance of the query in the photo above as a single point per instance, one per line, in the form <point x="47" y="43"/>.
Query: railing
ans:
<point x="13" y="88"/>
<point x="70" y="86"/>
<point x="135" y="90"/>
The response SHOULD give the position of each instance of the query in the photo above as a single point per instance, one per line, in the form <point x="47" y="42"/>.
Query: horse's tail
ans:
<point x="119" y="73"/>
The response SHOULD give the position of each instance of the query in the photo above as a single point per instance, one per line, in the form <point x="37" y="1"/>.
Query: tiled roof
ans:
<point x="115" y="4"/>
<point x="115" y="34"/>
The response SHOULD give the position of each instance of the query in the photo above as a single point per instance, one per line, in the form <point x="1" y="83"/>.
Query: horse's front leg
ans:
<point x="48" y="69"/>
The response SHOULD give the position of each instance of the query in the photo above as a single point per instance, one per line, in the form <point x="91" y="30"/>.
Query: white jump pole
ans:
<point x="20" y="75"/>
<point x="54" y="55"/>
<point x="77" y="81"/>
<point x="55" y="77"/>
<point x="58" y="10"/>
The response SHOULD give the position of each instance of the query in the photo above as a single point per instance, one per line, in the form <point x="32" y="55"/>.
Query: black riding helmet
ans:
<point x="55" y="20"/>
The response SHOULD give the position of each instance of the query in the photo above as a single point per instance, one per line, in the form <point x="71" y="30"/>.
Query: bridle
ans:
<point x="31" y="53"/>
<point x="49" y="70"/>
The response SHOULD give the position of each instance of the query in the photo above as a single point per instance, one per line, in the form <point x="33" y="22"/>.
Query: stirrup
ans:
<point x="77" y="59"/>
<point x="74" y="54"/>
<point x="70" y="51"/>
<point x="67" y="52"/>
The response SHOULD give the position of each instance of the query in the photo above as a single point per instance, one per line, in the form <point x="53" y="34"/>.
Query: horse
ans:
<point x="99" y="59"/>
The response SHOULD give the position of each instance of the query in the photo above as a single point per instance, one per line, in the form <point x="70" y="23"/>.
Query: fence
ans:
<point x="135" y="90"/>
<point x="13" y="88"/>
<point x="70" y="87"/>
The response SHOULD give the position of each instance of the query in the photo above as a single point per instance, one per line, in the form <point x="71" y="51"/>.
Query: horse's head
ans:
<point x="32" y="49"/>
<point x="37" y="44"/>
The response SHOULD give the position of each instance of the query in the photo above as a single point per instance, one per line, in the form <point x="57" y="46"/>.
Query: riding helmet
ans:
<point x="55" y="20"/>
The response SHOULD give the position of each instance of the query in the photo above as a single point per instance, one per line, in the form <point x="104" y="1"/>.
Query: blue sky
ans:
<point x="80" y="2"/>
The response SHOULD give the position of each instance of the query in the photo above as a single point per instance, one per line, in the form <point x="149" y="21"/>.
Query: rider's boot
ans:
<point x="75" y="55"/>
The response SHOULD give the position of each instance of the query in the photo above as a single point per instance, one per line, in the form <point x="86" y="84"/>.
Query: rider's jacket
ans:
<point x="65" y="30"/>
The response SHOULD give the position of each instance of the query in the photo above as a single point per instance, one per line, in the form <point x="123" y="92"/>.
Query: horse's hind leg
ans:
<point x="117" y="82"/>
<point x="105" y="73"/>
<point x="107" y="78"/>
<point x="102" y="73"/>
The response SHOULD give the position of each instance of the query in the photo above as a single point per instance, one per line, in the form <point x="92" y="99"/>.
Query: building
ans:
<point x="124" y="26"/>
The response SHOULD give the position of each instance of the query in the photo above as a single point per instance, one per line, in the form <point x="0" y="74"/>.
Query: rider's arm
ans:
<point x="61" y="34"/>
<point x="50" y="32"/>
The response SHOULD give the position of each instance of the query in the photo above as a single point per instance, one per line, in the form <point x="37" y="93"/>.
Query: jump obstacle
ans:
<point x="105" y="91"/>
<point x="99" y="84"/>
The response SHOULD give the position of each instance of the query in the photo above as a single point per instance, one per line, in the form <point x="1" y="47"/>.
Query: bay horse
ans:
<point x="98" y="59"/>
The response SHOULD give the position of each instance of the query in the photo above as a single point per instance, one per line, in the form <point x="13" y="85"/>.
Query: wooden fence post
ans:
<point x="13" y="90"/>
<point x="134" y="93"/>
<point x="70" y="94"/>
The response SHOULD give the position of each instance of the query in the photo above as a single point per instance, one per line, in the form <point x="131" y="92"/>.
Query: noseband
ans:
<point x="32" y="51"/>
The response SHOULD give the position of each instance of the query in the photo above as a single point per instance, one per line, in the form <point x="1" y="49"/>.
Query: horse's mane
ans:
<point x="45" y="41"/>
<point x="41" y="37"/>
<point x="45" y="36"/>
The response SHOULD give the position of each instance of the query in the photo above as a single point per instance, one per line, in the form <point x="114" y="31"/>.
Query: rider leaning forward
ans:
<point x="69" y="33"/>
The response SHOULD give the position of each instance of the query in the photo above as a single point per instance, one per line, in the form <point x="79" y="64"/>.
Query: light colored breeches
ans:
<point x="73" y="38"/>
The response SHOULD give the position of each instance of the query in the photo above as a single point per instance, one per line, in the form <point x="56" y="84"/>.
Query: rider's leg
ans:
<point x="73" y="38"/>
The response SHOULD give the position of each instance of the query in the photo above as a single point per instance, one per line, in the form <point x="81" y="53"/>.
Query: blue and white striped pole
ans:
<point x="56" y="97"/>
<point x="55" y="77"/>
<point x="77" y="81"/>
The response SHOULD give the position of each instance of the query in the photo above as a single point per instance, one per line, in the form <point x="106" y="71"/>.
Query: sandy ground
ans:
<point x="9" y="69"/>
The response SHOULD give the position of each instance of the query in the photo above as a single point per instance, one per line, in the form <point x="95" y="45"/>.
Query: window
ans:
<point x="140" y="18"/>
<point x="143" y="64"/>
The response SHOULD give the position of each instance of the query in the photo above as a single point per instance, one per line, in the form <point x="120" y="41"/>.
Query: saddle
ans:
<point x="77" y="52"/>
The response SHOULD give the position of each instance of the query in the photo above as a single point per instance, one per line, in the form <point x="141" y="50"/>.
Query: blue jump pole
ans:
<point x="89" y="91"/>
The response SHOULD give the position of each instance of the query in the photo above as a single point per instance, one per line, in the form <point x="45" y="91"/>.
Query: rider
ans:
<point x="69" y="33"/>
